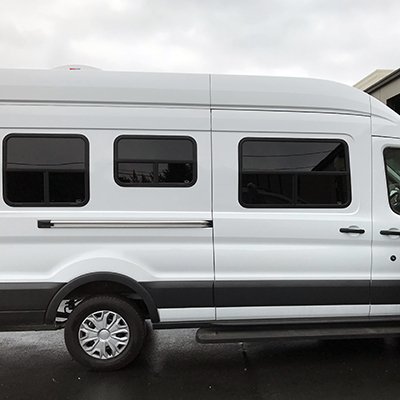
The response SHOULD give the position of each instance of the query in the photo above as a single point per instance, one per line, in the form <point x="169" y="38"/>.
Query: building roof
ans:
<point x="96" y="87"/>
<point x="383" y="81"/>
<point x="372" y="78"/>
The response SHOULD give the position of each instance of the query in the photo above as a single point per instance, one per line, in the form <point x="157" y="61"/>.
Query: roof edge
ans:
<point x="384" y="81"/>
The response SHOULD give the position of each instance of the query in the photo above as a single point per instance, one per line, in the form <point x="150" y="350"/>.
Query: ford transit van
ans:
<point x="248" y="207"/>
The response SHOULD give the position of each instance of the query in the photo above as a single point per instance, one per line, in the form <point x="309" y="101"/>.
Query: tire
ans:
<point x="94" y="346"/>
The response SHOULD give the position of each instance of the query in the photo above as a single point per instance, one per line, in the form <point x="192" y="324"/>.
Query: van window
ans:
<point x="392" y="165"/>
<point x="45" y="170"/>
<point x="155" y="161"/>
<point x="293" y="173"/>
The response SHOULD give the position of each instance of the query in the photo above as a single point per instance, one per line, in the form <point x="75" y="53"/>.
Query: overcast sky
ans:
<point x="334" y="39"/>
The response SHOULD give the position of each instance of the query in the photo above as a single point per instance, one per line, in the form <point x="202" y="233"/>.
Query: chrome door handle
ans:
<point x="352" y="230"/>
<point x="387" y="232"/>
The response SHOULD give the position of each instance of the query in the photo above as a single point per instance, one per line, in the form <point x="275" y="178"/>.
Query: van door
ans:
<point x="385" y="288"/>
<point x="292" y="214"/>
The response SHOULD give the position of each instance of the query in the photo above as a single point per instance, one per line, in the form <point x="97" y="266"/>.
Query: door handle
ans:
<point x="390" y="233"/>
<point x="352" y="230"/>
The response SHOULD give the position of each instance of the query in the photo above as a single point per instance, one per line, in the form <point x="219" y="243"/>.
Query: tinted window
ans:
<point x="45" y="170"/>
<point x="150" y="149"/>
<point x="24" y="187"/>
<point x="392" y="165"/>
<point x="155" y="161"/>
<point x="294" y="173"/>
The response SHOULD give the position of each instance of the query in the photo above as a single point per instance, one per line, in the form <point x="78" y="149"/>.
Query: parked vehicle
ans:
<point x="249" y="207"/>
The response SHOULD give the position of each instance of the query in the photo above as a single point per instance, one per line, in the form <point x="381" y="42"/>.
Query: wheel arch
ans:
<point x="113" y="277"/>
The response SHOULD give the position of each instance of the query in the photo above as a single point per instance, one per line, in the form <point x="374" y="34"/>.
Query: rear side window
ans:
<point x="45" y="170"/>
<point x="392" y="166"/>
<point x="293" y="173"/>
<point x="155" y="161"/>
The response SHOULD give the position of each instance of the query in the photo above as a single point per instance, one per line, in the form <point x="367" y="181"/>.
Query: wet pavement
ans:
<point x="36" y="365"/>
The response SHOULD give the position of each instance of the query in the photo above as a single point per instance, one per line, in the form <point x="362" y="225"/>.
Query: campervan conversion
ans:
<point x="248" y="207"/>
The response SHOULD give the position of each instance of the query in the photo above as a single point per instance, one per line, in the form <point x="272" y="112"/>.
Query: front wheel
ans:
<point x="104" y="333"/>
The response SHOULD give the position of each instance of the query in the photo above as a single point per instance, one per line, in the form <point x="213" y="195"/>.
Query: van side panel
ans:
<point x="290" y="262"/>
<point x="161" y="257"/>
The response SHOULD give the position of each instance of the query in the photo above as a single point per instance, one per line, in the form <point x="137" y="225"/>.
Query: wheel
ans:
<point x="104" y="333"/>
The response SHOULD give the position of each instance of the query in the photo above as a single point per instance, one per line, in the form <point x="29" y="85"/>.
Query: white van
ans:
<point x="250" y="207"/>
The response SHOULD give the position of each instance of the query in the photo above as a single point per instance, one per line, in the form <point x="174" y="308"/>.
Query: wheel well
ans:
<point x="106" y="287"/>
<point x="94" y="284"/>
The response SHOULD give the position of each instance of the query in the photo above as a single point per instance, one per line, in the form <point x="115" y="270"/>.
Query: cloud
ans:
<point x="339" y="40"/>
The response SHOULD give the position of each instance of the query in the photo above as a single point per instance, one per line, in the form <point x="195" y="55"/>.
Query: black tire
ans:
<point x="128" y="311"/>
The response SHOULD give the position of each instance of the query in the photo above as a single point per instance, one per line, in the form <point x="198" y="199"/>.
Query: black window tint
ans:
<point x="155" y="161"/>
<point x="294" y="173"/>
<point x="292" y="156"/>
<point x="150" y="149"/>
<point x="175" y="172"/>
<point x="24" y="187"/>
<point x="45" y="170"/>
<point x="67" y="187"/>
<point x="267" y="188"/>
<point x="322" y="189"/>
<point x="45" y="153"/>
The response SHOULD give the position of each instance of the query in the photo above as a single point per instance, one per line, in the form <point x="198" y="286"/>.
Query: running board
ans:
<point x="235" y="334"/>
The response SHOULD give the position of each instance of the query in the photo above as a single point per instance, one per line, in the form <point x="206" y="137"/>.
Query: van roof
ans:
<point x="91" y="86"/>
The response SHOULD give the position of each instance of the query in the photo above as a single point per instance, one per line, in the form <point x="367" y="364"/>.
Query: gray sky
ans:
<point x="333" y="39"/>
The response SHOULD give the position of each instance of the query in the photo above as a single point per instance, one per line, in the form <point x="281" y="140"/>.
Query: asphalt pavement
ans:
<point x="36" y="365"/>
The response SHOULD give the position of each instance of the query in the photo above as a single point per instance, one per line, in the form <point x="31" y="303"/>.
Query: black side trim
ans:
<point x="172" y="294"/>
<point x="290" y="293"/>
<point x="27" y="296"/>
<point x="385" y="292"/>
<point x="101" y="277"/>
<point x="181" y="294"/>
<point x="20" y="319"/>
<point x="25" y="304"/>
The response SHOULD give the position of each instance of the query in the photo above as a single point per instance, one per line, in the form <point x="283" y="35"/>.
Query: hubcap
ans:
<point x="104" y="334"/>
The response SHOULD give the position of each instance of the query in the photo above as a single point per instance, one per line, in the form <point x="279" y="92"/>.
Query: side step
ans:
<point x="235" y="334"/>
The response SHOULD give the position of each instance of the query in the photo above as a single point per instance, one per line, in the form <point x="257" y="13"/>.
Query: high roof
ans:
<point x="91" y="86"/>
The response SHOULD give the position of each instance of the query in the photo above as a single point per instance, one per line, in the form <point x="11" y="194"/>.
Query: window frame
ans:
<point x="346" y="173"/>
<point x="44" y="171"/>
<point x="116" y="161"/>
